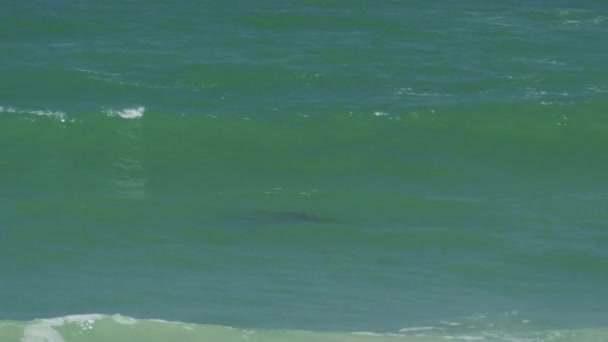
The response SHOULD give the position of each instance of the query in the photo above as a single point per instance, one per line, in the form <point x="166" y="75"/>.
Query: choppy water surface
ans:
<point x="303" y="170"/>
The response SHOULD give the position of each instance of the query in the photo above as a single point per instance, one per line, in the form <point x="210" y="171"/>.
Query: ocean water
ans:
<point x="303" y="170"/>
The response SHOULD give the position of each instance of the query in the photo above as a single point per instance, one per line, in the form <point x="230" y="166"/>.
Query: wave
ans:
<point x="542" y="125"/>
<point x="448" y="141"/>
<point x="53" y="114"/>
<point x="127" y="113"/>
<point x="117" y="328"/>
<point x="519" y="142"/>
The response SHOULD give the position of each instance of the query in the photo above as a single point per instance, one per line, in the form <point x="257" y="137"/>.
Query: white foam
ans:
<point x="367" y="333"/>
<point x="58" y="115"/>
<point x="128" y="113"/>
<point x="44" y="330"/>
<point x="161" y="321"/>
<point x="41" y="333"/>
<point x="453" y="324"/>
<point x="95" y="72"/>
<point x="464" y="338"/>
<point x="125" y="320"/>
<point x="402" y="330"/>
<point x="411" y="92"/>
<point x="54" y="114"/>
<point x="594" y="89"/>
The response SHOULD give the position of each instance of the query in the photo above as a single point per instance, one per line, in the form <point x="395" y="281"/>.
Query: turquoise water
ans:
<point x="303" y="171"/>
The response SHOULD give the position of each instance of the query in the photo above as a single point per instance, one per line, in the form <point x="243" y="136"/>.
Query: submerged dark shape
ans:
<point x="282" y="217"/>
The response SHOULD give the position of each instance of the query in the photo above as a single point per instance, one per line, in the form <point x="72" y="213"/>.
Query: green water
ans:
<point x="303" y="171"/>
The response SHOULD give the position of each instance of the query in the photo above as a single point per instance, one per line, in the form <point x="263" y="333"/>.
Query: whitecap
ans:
<point x="53" y="114"/>
<point x="125" y="320"/>
<point x="128" y="113"/>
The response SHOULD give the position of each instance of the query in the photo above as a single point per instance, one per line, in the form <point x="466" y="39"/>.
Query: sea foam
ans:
<point x="97" y="327"/>
<point x="53" y="114"/>
<point x="128" y="113"/>
<point x="44" y="330"/>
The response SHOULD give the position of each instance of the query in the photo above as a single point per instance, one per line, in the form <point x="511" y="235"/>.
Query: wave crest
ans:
<point x="128" y="113"/>
<point x="98" y="327"/>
